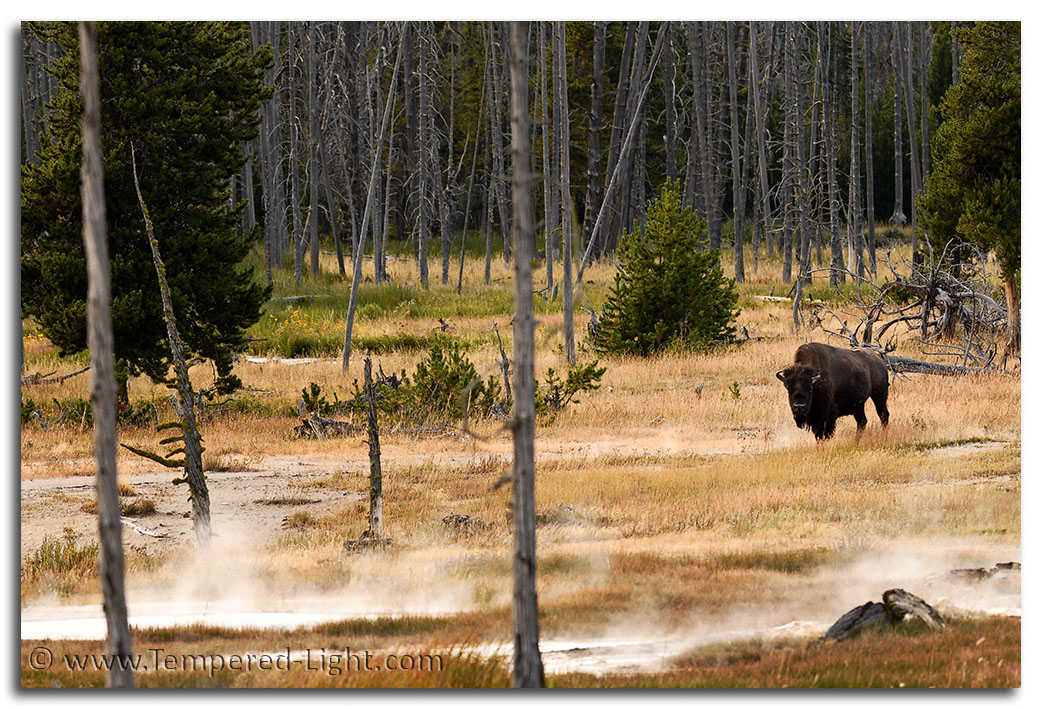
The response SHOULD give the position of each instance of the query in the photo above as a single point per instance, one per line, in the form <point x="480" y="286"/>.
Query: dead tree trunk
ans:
<point x="656" y="52"/>
<point x="837" y="270"/>
<point x="470" y="187"/>
<point x="855" y="240"/>
<point x="870" y="198"/>
<point x="593" y="169"/>
<point x="761" y="141"/>
<point x="423" y="235"/>
<point x="803" y="183"/>
<point x="736" y="186"/>
<point x="528" y="666"/>
<point x="564" y="140"/>
<point x="498" y="149"/>
<point x="548" y="171"/>
<point x="313" y="149"/>
<point x="898" y="217"/>
<point x="356" y="276"/>
<point x="906" y="65"/>
<point x="193" y="451"/>
<point x="103" y="379"/>
<point x="376" y="489"/>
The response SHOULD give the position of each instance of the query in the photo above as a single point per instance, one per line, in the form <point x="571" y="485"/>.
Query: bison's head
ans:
<point x="799" y="381"/>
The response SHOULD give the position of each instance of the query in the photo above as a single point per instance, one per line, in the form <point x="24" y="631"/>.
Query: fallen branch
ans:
<point x="143" y="530"/>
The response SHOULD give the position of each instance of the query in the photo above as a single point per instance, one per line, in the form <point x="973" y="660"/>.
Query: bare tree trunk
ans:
<point x="296" y="231"/>
<point x="924" y="63"/>
<point x="548" y="171"/>
<point x="356" y="276"/>
<point x="622" y="90"/>
<point x="186" y="398"/>
<point x="913" y="148"/>
<point x="376" y="485"/>
<point x="470" y="186"/>
<point x="564" y="140"/>
<point x="331" y="201"/>
<point x="803" y="188"/>
<point x="313" y="152"/>
<point x="870" y="199"/>
<point x="736" y="196"/>
<point x="671" y="107"/>
<point x="498" y="150"/>
<point x="788" y="178"/>
<point x="837" y="269"/>
<point x="593" y="170"/>
<point x="855" y="243"/>
<point x="898" y="217"/>
<point x="423" y="234"/>
<point x="528" y="666"/>
<point x="630" y="163"/>
<point x="656" y="53"/>
<point x="761" y="139"/>
<point x="103" y="379"/>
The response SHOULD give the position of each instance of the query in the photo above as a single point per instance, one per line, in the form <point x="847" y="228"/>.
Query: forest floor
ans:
<point x="689" y="534"/>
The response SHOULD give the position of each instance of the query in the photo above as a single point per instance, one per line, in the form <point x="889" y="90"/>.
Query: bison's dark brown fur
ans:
<point x="826" y="382"/>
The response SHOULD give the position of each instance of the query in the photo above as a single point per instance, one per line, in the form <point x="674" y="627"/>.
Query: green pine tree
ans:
<point x="186" y="94"/>
<point x="669" y="290"/>
<point x="973" y="190"/>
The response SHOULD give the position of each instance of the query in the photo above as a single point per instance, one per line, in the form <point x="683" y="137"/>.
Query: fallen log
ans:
<point x="898" y="606"/>
<point x="49" y="379"/>
<point x="906" y="365"/>
<point x="322" y="428"/>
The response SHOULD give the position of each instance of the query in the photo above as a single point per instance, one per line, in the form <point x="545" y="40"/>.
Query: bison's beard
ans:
<point x="801" y="421"/>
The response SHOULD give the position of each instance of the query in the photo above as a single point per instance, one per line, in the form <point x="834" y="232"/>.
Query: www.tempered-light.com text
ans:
<point x="331" y="662"/>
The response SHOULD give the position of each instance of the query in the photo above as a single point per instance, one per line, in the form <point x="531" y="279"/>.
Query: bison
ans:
<point x="826" y="382"/>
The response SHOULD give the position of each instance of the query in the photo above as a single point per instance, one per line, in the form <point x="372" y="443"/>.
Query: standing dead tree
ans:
<point x="376" y="489"/>
<point x="103" y="379"/>
<point x="528" y="665"/>
<point x="185" y="399"/>
<point x="374" y="176"/>
<point x="949" y="309"/>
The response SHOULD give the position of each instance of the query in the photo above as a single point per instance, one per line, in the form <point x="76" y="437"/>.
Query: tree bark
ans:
<point x="193" y="451"/>
<point x="313" y="150"/>
<point x="356" y="276"/>
<point x="548" y="168"/>
<point x="376" y="489"/>
<point x="736" y="196"/>
<point x="761" y="139"/>
<point x="103" y="380"/>
<point x="656" y="52"/>
<point x="870" y="199"/>
<point x="528" y="666"/>
<point x="593" y="169"/>
<point x="837" y="269"/>
<point x="898" y="217"/>
<point x="906" y="64"/>
<point x="855" y="241"/>
<point x="564" y="140"/>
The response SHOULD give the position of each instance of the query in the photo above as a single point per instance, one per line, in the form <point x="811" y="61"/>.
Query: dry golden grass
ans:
<point x="660" y="503"/>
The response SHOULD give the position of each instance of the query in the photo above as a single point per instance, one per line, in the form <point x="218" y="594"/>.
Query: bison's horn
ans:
<point x="780" y="374"/>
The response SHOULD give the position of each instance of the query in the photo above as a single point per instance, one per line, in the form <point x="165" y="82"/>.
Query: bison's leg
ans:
<point x="825" y="429"/>
<point x="859" y="416"/>
<point x="880" y="401"/>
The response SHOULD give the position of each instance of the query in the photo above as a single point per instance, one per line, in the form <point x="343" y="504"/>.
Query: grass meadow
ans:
<point x="677" y="499"/>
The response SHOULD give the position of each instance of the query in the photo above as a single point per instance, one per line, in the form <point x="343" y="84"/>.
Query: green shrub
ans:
<point x="28" y="409"/>
<point x="670" y="290"/>
<point x="557" y="393"/>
